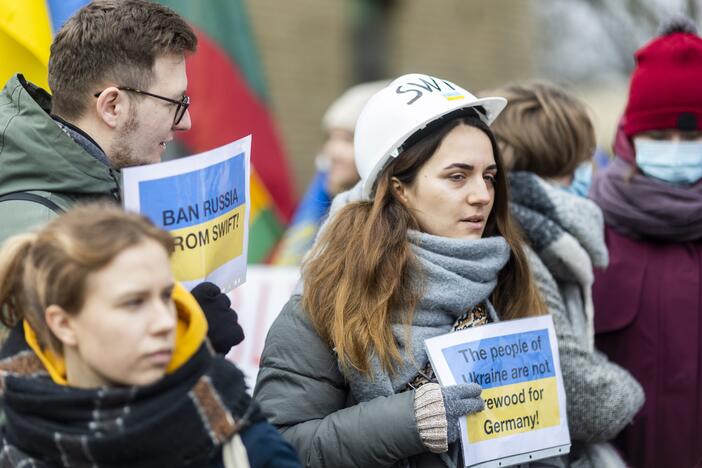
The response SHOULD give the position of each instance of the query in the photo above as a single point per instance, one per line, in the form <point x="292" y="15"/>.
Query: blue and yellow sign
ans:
<point x="202" y="208"/>
<point x="202" y="200"/>
<point x="517" y="375"/>
<point x="516" y="364"/>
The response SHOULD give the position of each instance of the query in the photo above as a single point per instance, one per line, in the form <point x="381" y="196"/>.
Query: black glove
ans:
<point x="224" y="330"/>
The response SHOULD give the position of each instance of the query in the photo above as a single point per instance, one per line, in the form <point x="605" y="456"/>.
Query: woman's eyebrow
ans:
<point x="469" y="167"/>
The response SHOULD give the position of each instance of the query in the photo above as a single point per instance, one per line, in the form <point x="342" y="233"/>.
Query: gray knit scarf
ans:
<point x="456" y="275"/>
<point x="566" y="232"/>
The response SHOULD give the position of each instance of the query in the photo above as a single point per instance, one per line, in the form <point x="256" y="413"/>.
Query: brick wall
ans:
<point x="306" y="51"/>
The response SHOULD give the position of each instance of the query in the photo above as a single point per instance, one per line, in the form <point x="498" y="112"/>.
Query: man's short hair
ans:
<point x="112" y="41"/>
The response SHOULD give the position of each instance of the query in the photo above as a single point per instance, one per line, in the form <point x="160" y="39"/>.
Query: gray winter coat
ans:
<point x="305" y="395"/>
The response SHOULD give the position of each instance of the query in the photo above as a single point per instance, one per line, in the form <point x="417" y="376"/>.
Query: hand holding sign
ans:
<point x="516" y="364"/>
<point x="460" y="400"/>
<point x="223" y="329"/>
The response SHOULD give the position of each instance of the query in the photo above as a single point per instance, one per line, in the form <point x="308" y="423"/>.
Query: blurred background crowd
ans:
<point x="597" y="158"/>
<point x="274" y="68"/>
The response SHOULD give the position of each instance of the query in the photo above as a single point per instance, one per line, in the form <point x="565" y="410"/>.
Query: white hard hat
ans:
<point x="401" y="109"/>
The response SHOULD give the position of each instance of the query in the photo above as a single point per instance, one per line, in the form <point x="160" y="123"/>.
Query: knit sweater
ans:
<point x="566" y="233"/>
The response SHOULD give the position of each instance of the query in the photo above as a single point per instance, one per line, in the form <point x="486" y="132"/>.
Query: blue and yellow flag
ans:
<point x="26" y="30"/>
<point x="300" y="235"/>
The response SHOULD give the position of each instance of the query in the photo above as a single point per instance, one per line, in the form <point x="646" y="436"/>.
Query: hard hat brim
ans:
<point x="493" y="107"/>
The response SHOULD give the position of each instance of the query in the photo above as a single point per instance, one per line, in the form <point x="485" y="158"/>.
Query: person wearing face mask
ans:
<point x="336" y="173"/>
<point x="648" y="302"/>
<point x="423" y="245"/>
<point x="547" y="137"/>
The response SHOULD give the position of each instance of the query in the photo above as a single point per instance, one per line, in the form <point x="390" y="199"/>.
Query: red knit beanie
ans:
<point x="666" y="86"/>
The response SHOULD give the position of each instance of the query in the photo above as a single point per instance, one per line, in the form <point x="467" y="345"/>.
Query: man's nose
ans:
<point x="185" y="123"/>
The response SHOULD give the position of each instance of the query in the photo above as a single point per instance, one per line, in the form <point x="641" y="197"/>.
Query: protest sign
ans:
<point x="516" y="363"/>
<point x="203" y="201"/>
<point x="257" y="303"/>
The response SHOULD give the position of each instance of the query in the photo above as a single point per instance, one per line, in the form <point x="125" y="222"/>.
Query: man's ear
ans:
<point x="60" y="324"/>
<point x="399" y="190"/>
<point x="110" y="105"/>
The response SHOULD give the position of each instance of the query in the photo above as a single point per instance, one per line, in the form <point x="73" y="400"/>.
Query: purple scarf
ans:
<point x="643" y="207"/>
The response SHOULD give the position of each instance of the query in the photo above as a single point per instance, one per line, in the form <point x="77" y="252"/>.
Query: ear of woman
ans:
<point x="59" y="322"/>
<point x="399" y="190"/>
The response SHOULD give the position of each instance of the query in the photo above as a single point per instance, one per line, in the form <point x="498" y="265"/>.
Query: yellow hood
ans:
<point x="191" y="330"/>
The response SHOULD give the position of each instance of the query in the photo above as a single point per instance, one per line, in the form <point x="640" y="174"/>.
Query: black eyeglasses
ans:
<point x="181" y="106"/>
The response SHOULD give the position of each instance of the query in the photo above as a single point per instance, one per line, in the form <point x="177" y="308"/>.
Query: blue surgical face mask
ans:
<point x="582" y="178"/>
<point x="675" y="162"/>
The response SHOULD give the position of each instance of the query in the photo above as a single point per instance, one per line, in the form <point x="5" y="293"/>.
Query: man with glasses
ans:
<point x="118" y="82"/>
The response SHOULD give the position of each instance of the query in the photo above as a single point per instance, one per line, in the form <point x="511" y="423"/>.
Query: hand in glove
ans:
<point x="460" y="400"/>
<point x="438" y="409"/>
<point x="224" y="330"/>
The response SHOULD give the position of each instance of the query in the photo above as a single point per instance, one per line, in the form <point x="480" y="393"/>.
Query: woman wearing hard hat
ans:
<point x="423" y="246"/>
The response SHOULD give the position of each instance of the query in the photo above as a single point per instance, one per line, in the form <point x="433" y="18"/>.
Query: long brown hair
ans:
<point x="52" y="265"/>
<point x="361" y="271"/>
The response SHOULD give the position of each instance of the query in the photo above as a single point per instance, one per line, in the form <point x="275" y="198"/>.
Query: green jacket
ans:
<point x="37" y="156"/>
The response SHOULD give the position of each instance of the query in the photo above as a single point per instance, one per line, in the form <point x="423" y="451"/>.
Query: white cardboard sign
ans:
<point x="516" y="363"/>
<point x="257" y="303"/>
<point x="203" y="201"/>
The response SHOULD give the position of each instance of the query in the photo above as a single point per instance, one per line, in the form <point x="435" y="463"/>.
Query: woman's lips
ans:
<point x="474" y="222"/>
<point x="162" y="357"/>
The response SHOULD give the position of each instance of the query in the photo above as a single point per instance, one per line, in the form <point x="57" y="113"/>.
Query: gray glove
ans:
<point x="460" y="400"/>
